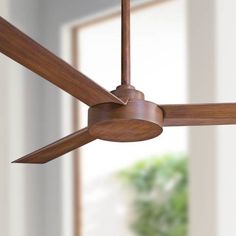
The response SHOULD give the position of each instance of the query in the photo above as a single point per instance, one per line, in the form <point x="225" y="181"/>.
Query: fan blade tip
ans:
<point x="57" y="149"/>
<point x="17" y="162"/>
<point x="30" y="163"/>
<point x="20" y="161"/>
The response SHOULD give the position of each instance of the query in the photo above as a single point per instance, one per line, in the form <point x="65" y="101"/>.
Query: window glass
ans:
<point x="158" y="70"/>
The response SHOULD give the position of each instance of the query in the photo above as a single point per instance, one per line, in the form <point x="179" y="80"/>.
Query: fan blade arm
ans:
<point x="199" y="114"/>
<point x="24" y="50"/>
<point x="58" y="148"/>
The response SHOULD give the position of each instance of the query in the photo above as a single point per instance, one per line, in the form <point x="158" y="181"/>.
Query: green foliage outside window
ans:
<point x="160" y="199"/>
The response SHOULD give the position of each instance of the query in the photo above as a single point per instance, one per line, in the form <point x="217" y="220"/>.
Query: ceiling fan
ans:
<point x="122" y="115"/>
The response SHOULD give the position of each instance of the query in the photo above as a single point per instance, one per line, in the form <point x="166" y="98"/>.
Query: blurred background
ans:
<point x="182" y="183"/>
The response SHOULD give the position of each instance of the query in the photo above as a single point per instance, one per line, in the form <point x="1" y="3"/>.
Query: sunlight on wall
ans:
<point x="159" y="70"/>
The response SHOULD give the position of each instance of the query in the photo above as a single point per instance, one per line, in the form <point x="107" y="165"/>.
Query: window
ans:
<point x="158" y="70"/>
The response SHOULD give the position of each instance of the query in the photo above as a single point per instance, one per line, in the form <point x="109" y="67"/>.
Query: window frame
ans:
<point x="103" y="16"/>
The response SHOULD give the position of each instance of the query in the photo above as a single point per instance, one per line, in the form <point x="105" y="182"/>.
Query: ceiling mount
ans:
<point x="122" y="115"/>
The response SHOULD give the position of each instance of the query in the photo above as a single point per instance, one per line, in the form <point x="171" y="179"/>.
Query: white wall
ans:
<point x="202" y="140"/>
<point x="23" y="188"/>
<point x="226" y="87"/>
<point x="212" y="74"/>
<point x="4" y="175"/>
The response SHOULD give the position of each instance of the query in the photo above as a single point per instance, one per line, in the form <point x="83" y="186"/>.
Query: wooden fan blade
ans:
<point x="199" y="114"/>
<point x="24" y="50"/>
<point x="58" y="148"/>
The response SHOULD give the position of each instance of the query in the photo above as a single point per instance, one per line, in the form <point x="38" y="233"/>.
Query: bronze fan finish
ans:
<point x="125" y="59"/>
<point x="137" y="121"/>
<point x="58" y="148"/>
<point x="121" y="115"/>
<point x="199" y="114"/>
<point x="24" y="50"/>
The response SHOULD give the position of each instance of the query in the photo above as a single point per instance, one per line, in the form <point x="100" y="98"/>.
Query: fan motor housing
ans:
<point x="138" y="120"/>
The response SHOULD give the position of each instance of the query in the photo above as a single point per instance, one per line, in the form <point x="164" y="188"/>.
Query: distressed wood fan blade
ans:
<point x="58" y="148"/>
<point x="199" y="114"/>
<point x="24" y="50"/>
